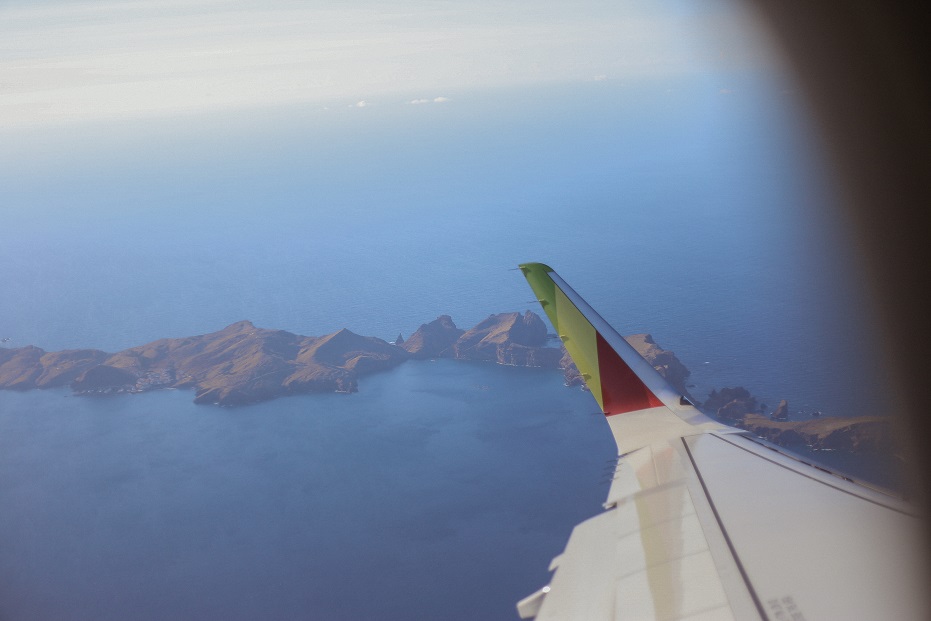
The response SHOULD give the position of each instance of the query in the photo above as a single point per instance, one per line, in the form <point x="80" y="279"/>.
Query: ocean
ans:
<point x="696" y="209"/>
<point x="441" y="490"/>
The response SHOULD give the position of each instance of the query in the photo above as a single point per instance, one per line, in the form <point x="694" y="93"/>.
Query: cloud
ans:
<point x="599" y="78"/>
<point x="360" y="104"/>
<point x="417" y="102"/>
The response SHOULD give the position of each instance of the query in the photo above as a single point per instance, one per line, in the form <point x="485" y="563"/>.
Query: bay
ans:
<point x="440" y="491"/>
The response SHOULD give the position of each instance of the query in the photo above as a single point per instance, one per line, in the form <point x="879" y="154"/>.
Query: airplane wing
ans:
<point x="704" y="522"/>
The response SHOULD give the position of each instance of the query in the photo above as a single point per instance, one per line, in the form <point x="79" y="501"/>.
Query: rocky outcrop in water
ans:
<point x="781" y="413"/>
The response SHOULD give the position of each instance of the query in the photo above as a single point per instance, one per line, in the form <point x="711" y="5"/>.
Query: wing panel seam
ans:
<point x="730" y="544"/>
<point x="816" y="479"/>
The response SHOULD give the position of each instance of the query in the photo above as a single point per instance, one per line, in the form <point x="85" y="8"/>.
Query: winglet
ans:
<point x="618" y="377"/>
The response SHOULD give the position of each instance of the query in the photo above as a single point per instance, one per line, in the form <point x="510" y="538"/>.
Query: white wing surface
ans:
<point x="705" y="522"/>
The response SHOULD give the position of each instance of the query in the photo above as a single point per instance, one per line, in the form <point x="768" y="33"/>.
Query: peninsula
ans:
<point x="243" y="364"/>
<point x="863" y="435"/>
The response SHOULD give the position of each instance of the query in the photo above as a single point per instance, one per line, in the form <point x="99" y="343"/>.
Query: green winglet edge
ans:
<point x="537" y="275"/>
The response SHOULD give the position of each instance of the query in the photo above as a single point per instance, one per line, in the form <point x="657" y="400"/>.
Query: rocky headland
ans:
<point x="863" y="435"/>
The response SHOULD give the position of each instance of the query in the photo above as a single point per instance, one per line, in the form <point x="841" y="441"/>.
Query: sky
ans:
<point x="70" y="62"/>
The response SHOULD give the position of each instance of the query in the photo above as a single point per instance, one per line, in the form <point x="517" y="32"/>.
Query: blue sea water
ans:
<point x="697" y="209"/>
<point x="440" y="491"/>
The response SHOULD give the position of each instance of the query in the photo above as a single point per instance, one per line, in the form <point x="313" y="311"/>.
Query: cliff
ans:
<point x="505" y="338"/>
<point x="434" y="339"/>
<point x="508" y="338"/>
<point x="729" y="404"/>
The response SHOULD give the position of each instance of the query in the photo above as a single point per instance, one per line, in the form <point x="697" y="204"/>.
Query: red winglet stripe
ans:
<point x="622" y="391"/>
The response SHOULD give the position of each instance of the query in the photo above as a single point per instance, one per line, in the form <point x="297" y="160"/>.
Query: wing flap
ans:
<point x="653" y="554"/>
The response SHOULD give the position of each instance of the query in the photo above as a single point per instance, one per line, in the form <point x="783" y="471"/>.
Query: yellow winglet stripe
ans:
<point x="579" y="337"/>
<point x="544" y="287"/>
<point x="575" y="331"/>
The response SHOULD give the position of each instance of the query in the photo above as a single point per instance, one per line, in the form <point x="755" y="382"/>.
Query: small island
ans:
<point x="243" y="364"/>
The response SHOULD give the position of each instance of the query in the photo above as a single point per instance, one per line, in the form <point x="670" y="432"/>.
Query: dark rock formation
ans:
<point x="399" y="341"/>
<point x="434" y="339"/>
<point x="729" y="404"/>
<point x="781" y="413"/>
